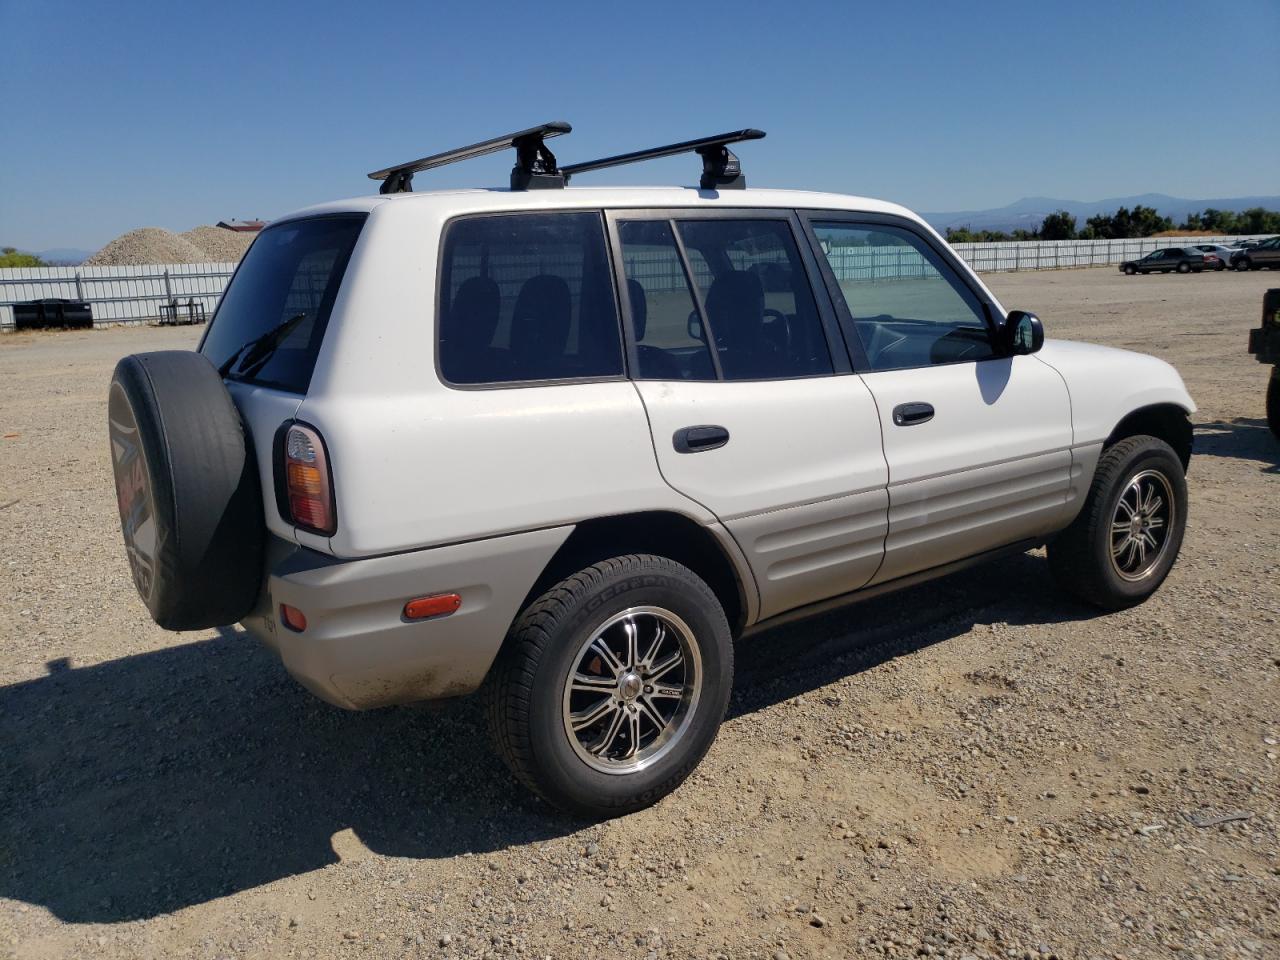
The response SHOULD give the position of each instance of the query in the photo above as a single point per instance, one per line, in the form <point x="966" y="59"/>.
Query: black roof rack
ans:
<point x="720" y="167"/>
<point x="535" y="165"/>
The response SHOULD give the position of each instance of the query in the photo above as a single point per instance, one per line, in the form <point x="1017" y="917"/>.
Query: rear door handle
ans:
<point x="909" y="414"/>
<point x="698" y="439"/>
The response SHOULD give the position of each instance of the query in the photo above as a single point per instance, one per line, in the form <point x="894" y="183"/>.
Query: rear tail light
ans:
<point x="308" y="490"/>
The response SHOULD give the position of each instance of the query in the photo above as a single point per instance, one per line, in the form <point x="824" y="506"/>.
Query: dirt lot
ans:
<point x="977" y="767"/>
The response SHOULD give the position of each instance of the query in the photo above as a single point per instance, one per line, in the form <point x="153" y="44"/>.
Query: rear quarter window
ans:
<point x="287" y="281"/>
<point x="527" y="297"/>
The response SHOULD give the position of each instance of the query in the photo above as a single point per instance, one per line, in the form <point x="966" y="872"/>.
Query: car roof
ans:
<point x="455" y="202"/>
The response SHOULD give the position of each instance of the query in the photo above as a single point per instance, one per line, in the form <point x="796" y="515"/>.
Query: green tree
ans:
<point x="1059" y="225"/>
<point x="10" y="257"/>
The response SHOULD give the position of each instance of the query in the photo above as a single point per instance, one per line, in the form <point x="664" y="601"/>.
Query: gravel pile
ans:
<point x="148" y="245"/>
<point x="219" y="244"/>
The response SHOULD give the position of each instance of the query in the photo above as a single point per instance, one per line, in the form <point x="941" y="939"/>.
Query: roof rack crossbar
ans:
<point x="720" y="167"/>
<point x="535" y="164"/>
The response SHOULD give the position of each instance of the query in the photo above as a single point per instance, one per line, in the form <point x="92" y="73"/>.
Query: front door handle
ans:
<point x="698" y="439"/>
<point x="909" y="414"/>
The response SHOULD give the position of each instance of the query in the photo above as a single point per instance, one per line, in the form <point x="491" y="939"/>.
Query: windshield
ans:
<point x="280" y="298"/>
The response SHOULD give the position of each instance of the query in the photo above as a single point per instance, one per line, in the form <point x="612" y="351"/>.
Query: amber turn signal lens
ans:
<point x="440" y="605"/>
<point x="306" y="481"/>
<point x="293" y="618"/>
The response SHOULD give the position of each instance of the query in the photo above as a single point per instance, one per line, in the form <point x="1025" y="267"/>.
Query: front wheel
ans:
<point x="1184" y="268"/>
<point x="1130" y="271"/>
<point x="1121" y="546"/>
<point x="1242" y="264"/>
<point x="612" y="685"/>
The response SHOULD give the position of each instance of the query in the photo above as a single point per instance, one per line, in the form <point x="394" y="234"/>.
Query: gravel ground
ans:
<point x="975" y="768"/>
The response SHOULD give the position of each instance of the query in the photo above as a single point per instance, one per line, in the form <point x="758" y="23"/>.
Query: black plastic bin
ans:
<point x="52" y="312"/>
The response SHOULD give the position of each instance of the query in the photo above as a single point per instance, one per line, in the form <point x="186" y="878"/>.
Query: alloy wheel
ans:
<point x="1140" y="525"/>
<point x="632" y="690"/>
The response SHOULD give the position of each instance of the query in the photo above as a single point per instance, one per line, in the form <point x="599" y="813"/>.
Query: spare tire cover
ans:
<point x="187" y="488"/>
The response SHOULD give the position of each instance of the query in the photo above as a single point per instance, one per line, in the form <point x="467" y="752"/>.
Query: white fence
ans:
<point x="136" y="294"/>
<point x="117" y="294"/>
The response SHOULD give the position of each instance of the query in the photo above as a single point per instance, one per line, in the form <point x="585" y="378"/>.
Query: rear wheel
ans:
<point x="1120" y="548"/>
<point x="1273" y="402"/>
<point x="612" y="685"/>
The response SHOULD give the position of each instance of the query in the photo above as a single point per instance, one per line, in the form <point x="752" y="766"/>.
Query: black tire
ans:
<point x="1081" y="556"/>
<point x="1184" y="268"/>
<point x="1243" y="264"/>
<point x="1273" y="402"/>
<point x="527" y="702"/>
<point x="1220" y="267"/>
<point x="187" y="490"/>
<point x="1129" y="271"/>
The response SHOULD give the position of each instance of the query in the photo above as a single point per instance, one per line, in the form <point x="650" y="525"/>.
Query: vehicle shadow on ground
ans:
<point x="1242" y="438"/>
<point x="138" y="786"/>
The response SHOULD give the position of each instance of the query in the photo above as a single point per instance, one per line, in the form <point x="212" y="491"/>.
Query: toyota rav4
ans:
<point x="566" y="444"/>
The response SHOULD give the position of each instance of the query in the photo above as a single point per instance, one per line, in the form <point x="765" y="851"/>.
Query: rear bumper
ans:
<point x="358" y="651"/>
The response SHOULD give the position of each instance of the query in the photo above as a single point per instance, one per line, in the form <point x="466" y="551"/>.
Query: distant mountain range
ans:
<point x="1027" y="213"/>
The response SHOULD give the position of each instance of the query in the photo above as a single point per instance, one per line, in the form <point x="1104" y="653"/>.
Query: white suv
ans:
<point x="568" y="443"/>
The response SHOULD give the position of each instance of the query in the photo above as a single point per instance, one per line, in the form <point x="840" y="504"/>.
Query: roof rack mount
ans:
<point x="721" y="169"/>
<point x="535" y="166"/>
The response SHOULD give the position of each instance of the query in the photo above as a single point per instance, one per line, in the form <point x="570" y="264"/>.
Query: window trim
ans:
<point x="438" y="304"/>
<point x="837" y="348"/>
<point x="948" y="257"/>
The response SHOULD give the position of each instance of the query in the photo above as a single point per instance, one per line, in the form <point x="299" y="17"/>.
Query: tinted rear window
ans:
<point x="290" y="276"/>
<point x="527" y="297"/>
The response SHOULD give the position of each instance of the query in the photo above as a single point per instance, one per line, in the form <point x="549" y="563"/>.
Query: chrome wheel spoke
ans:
<point x="605" y="743"/>
<point x="659" y="635"/>
<point x="601" y="649"/>
<point x="590" y="716"/>
<point x="633" y="732"/>
<point x="1120" y="528"/>
<point x="1119" y="548"/>
<point x="587" y="683"/>
<point x="632" y="631"/>
<point x="1155" y="523"/>
<point x="652" y="714"/>
<point x="666" y="666"/>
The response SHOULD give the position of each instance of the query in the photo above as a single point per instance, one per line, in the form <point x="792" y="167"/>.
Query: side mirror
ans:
<point x="1023" y="333"/>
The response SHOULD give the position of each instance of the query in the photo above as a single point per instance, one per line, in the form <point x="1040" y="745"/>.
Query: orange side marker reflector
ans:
<point x="440" y="605"/>
<point x="293" y="618"/>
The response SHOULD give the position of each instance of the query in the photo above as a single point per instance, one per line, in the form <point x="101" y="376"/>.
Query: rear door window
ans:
<point x="756" y="299"/>
<point x="527" y="297"/>
<point x="271" y="320"/>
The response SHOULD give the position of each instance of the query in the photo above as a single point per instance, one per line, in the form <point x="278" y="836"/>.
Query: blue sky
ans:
<point x="127" y="114"/>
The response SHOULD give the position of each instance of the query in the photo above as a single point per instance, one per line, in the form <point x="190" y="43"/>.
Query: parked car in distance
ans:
<point x="1166" y="260"/>
<point x="564" y="444"/>
<point x="1216" y="256"/>
<point x="1264" y="254"/>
